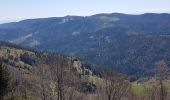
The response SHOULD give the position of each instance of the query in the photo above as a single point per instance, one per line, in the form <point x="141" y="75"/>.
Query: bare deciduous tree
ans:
<point x="115" y="86"/>
<point x="62" y="77"/>
<point x="162" y="71"/>
<point x="43" y="79"/>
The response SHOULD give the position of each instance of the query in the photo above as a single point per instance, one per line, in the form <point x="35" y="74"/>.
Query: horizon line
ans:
<point x="21" y="19"/>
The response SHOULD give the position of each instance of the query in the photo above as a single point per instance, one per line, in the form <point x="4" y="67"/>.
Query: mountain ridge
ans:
<point x="129" y="43"/>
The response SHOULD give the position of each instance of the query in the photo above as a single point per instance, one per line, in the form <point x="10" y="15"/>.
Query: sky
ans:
<point x="13" y="10"/>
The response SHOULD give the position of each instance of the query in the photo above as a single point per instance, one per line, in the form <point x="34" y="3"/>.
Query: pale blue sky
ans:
<point x="23" y="9"/>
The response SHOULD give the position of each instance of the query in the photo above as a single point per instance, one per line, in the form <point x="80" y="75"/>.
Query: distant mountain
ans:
<point x="131" y="44"/>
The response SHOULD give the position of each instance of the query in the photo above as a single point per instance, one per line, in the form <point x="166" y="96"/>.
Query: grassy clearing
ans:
<point x="95" y="80"/>
<point x="138" y="89"/>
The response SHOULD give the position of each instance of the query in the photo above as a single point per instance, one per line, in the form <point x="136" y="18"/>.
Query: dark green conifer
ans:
<point x="4" y="80"/>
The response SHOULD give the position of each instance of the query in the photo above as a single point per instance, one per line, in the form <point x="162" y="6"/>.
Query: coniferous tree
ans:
<point x="4" y="80"/>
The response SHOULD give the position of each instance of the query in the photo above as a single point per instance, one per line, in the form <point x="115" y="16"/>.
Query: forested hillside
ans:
<point x="26" y="74"/>
<point x="29" y="75"/>
<point x="131" y="44"/>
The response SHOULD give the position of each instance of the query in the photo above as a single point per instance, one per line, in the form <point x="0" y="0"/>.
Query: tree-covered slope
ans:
<point x="27" y="74"/>
<point x="129" y="43"/>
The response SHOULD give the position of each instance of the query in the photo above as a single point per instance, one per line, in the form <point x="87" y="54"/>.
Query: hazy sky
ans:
<point x="23" y="9"/>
